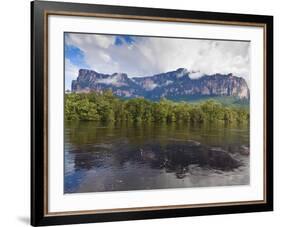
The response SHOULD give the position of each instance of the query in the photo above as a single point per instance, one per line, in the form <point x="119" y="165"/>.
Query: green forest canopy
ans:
<point x="106" y="107"/>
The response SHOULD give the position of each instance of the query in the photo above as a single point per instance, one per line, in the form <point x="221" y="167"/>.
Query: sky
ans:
<point x="140" y="56"/>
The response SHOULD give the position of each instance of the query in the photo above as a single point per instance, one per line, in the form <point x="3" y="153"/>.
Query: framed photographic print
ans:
<point x="142" y="113"/>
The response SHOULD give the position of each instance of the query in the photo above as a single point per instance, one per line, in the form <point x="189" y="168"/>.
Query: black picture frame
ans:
<point x="39" y="111"/>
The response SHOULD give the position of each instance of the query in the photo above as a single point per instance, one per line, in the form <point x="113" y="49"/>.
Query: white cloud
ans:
<point x="104" y="56"/>
<point x="103" y="41"/>
<point x="195" y="75"/>
<point x="148" y="56"/>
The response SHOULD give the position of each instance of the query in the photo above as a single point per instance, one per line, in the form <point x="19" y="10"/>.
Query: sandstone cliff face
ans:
<point x="172" y="84"/>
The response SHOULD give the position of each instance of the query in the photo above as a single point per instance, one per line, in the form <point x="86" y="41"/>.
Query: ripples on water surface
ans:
<point x="153" y="156"/>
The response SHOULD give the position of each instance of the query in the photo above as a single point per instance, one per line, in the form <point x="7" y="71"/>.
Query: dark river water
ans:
<point x="154" y="156"/>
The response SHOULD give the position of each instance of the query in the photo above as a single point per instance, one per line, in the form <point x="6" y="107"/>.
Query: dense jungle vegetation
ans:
<point x="106" y="107"/>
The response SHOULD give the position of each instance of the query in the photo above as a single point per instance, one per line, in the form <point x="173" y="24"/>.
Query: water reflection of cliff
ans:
<point x="177" y="150"/>
<point x="177" y="157"/>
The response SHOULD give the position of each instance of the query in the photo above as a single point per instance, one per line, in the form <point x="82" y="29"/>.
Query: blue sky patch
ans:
<point x="123" y="39"/>
<point x="75" y="55"/>
<point x="118" y="41"/>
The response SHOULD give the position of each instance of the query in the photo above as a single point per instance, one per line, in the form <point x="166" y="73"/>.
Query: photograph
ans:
<point x="155" y="112"/>
<point x="146" y="113"/>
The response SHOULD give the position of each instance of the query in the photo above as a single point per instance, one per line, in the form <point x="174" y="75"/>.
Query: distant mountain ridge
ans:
<point x="173" y="85"/>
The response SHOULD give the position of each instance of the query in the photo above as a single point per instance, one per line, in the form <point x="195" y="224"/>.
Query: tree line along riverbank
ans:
<point x="106" y="107"/>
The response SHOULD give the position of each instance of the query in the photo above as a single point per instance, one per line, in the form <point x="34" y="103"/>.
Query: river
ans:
<point x="119" y="157"/>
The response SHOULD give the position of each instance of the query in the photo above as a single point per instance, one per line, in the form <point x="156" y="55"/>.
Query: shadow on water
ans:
<point x="117" y="153"/>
